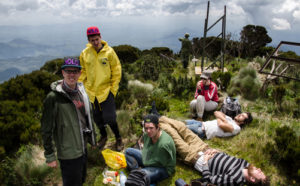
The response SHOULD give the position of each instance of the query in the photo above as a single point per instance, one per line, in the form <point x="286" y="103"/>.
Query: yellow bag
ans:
<point x="113" y="159"/>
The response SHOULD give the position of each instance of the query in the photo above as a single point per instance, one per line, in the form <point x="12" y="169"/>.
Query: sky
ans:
<point x="143" y="23"/>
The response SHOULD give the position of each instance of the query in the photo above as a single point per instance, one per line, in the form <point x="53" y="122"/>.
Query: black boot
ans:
<point x="119" y="144"/>
<point x="154" y="110"/>
<point x="101" y="143"/>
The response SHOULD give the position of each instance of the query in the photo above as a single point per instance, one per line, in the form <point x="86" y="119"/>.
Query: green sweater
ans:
<point x="160" y="154"/>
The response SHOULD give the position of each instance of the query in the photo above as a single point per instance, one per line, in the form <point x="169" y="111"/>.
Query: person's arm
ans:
<point x="222" y="122"/>
<point x="219" y="179"/>
<point x="198" y="89"/>
<point x="116" y="73"/>
<point x="210" y="93"/>
<point x="82" y="77"/>
<point x="47" y="125"/>
<point x="220" y="115"/>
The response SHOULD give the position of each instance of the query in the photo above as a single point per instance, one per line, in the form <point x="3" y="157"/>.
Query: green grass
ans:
<point x="249" y="144"/>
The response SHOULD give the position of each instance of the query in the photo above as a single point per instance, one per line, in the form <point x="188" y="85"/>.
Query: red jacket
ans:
<point x="210" y="94"/>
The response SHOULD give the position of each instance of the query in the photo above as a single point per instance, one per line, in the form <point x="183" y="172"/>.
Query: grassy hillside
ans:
<point x="150" y="78"/>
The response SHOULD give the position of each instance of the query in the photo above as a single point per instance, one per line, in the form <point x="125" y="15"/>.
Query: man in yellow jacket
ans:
<point x="101" y="74"/>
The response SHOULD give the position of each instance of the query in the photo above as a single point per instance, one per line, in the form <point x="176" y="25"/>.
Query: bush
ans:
<point x="182" y="87"/>
<point x="25" y="169"/>
<point x="278" y="94"/>
<point x="161" y="104"/>
<point x="28" y="168"/>
<point x="222" y="79"/>
<point x="7" y="173"/>
<point x="127" y="53"/>
<point x="285" y="151"/>
<point x="139" y="92"/>
<point x="246" y="84"/>
<point x="53" y="66"/>
<point x="158" y="50"/>
<point x="151" y="67"/>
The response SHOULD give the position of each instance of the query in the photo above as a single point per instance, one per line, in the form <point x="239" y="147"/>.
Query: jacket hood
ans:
<point x="104" y="43"/>
<point x="57" y="86"/>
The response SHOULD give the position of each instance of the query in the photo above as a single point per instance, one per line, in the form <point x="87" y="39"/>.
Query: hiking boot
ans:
<point x="119" y="144"/>
<point x="154" y="110"/>
<point x="101" y="143"/>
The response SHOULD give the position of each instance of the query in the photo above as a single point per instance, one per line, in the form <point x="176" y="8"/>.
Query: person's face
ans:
<point x="257" y="175"/>
<point x="71" y="75"/>
<point x="151" y="130"/>
<point x="205" y="81"/>
<point x="95" y="41"/>
<point x="241" y="117"/>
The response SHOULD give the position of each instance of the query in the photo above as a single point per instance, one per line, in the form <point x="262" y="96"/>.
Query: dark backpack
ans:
<point x="137" y="177"/>
<point x="231" y="107"/>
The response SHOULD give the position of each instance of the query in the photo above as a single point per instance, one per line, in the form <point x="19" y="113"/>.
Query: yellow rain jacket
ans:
<point x="101" y="72"/>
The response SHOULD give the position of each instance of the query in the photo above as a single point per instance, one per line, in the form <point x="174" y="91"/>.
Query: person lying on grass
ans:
<point x="216" y="167"/>
<point x="222" y="126"/>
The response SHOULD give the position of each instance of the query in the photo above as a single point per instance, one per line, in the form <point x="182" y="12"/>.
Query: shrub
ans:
<point x="139" y="92"/>
<point x="182" y="86"/>
<point x="127" y="53"/>
<point x="28" y="168"/>
<point x="151" y="67"/>
<point x="158" y="50"/>
<point x="7" y="173"/>
<point x="278" y="94"/>
<point x="53" y="66"/>
<point x="285" y="151"/>
<point x="245" y="84"/>
<point x="161" y="104"/>
<point x="222" y="79"/>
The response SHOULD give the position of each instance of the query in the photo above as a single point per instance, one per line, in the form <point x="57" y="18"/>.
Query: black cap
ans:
<point x="151" y="118"/>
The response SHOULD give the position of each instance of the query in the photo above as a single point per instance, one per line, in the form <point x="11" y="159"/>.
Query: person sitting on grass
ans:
<point x="222" y="126"/>
<point x="206" y="96"/>
<point x="216" y="167"/>
<point x="158" y="155"/>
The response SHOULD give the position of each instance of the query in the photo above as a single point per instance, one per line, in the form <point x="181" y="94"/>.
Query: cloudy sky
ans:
<point x="136" y="21"/>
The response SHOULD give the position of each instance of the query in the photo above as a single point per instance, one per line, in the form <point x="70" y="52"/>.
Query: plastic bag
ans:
<point x="115" y="160"/>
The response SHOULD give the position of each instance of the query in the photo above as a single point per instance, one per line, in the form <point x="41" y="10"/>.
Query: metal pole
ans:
<point x="223" y="39"/>
<point x="204" y="36"/>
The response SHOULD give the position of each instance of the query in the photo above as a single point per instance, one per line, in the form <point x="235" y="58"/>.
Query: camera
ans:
<point x="87" y="131"/>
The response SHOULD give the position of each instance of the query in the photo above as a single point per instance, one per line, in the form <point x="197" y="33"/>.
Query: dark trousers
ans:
<point x="105" y="113"/>
<point x="73" y="171"/>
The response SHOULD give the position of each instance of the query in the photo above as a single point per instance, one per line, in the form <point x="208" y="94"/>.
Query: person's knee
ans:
<point x="128" y="151"/>
<point x="193" y="103"/>
<point x="200" y="98"/>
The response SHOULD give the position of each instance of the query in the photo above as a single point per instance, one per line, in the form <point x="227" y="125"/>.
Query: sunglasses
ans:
<point x="72" y="71"/>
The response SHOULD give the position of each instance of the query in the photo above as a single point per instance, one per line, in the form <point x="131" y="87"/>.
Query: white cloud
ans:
<point x="296" y="15"/>
<point x="286" y="6"/>
<point x="280" y="24"/>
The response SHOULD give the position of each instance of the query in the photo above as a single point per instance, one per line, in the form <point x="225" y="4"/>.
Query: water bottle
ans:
<point x="123" y="178"/>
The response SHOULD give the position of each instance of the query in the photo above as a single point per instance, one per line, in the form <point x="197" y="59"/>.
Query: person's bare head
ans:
<point x="255" y="176"/>
<point x="243" y="118"/>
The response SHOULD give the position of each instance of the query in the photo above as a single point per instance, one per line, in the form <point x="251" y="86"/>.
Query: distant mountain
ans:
<point x="17" y="66"/>
<point x="18" y="48"/>
<point x="9" y="73"/>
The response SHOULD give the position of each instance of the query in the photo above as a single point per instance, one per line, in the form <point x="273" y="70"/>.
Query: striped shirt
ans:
<point x="223" y="169"/>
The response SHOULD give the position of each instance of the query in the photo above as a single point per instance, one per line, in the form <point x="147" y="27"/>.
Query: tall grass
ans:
<point x="31" y="167"/>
